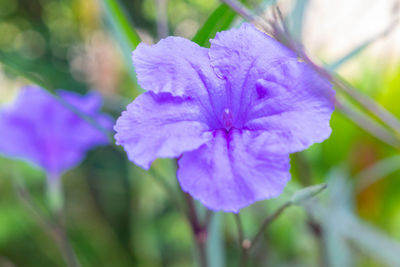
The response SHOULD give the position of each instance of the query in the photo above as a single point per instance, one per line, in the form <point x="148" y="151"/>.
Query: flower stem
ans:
<point x="56" y="203"/>
<point x="246" y="13"/>
<point x="267" y="221"/>
<point x="199" y="231"/>
<point x="54" y="229"/>
<point x="242" y="243"/>
<point x="297" y="198"/>
<point x="316" y="229"/>
<point x="162" y="18"/>
<point x="245" y="244"/>
<point x="64" y="245"/>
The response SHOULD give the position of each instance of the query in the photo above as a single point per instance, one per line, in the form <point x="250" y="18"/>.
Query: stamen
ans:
<point x="227" y="119"/>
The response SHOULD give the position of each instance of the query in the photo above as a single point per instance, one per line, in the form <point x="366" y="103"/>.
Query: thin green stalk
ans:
<point x="377" y="171"/>
<point x="267" y="221"/>
<point x="246" y="13"/>
<point x="123" y="30"/>
<point x="199" y="231"/>
<point x="55" y="229"/>
<point x="355" y="51"/>
<point x="369" y="125"/>
<point x="162" y="18"/>
<point x="239" y="228"/>
<point x="242" y="243"/>
<point x="56" y="204"/>
<point x="297" y="198"/>
<point x="120" y="23"/>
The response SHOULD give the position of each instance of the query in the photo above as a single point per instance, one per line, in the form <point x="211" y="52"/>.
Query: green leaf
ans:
<point x="219" y="20"/>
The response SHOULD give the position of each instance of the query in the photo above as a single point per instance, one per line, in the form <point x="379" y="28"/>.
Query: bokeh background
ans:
<point x="120" y="215"/>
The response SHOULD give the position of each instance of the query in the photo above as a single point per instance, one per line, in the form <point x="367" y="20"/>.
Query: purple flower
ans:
<point x="39" y="129"/>
<point x="232" y="113"/>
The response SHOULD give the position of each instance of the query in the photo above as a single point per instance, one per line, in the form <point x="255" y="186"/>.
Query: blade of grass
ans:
<point x="367" y="123"/>
<point x="240" y="9"/>
<point x="219" y="20"/>
<point x="123" y="30"/>
<point x="162" y="18"/>
<point x="357" y="50"/>
<point x="296" y="19"/>
<point x="261" y="8"/>
<point x="120" y="23"/>
<point x="377" y="171"/>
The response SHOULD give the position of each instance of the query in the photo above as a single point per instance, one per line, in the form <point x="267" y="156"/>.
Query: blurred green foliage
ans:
<point x="120" y="215"/>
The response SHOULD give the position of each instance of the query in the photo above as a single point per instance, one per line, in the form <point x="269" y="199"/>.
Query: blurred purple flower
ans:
<point x="234" y="112"/>
<point x="39" y="129"/>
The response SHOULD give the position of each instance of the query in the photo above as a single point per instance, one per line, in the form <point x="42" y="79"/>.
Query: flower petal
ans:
<point x="174" y="65"/>
<point x="241" y="56"/>
<point x="294" y="104"/>
<point x="233" y="170"/>
<point x="161" y="125"/>
<point x="13" y="139"/>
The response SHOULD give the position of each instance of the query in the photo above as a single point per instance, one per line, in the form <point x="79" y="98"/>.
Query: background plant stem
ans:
<point x="199" y="231"/>
<point x="54" y="228"/>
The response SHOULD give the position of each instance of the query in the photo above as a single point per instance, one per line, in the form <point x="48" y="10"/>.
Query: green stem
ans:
<point x="162" y="18"/>
<point x="267" y="221"/>
<point x="242" y="243"/>
<point x="56" y="203"/>
<point x="199" y="231"/>
<point x="55" y="197"/>
<point x="55" y="229"/>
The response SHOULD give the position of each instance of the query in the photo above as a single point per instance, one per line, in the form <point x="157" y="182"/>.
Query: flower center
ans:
<point x="227" y="119"/>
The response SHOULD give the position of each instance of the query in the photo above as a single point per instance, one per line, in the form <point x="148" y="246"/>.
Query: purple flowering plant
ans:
<point x="46" y="132"/>
<point x="39" y="129"/>
<point x="231" y="114"/>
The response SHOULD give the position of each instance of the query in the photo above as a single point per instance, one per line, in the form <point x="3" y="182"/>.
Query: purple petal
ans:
<point x="241" y="56"/>
<point x="90" y="103"/>
<point x="233" y="170"/>
<point x="174" y="65"/>
<point x="40" y="130"/>
<point x="294" y="104"/>
<point x="161" y="126"/>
